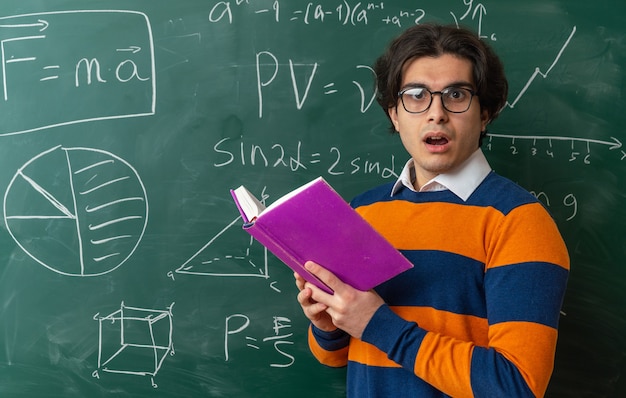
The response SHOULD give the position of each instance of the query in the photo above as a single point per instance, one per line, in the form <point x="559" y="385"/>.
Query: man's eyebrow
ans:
<point x="414" y="85"/>
<point x="460" y="83"/>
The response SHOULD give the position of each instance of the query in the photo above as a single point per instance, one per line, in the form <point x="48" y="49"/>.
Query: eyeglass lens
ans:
<point x="419" y="99"/>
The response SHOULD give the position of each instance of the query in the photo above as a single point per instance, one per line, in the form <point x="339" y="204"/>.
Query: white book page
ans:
<point x="250" y="205"/>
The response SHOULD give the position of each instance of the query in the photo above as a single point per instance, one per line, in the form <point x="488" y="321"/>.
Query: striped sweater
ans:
<point x="477" y="316"/>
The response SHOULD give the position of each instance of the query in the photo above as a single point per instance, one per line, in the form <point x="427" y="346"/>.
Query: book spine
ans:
<point x="280" y="250"/>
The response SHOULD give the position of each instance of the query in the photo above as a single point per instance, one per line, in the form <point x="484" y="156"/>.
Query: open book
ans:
<point x="314" y="223"/>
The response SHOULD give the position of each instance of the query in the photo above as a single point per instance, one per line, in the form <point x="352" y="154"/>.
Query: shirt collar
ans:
<point x="462" y="181"/>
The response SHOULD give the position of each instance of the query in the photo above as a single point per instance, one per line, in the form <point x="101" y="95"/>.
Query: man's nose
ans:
<point x="437" y="113"/>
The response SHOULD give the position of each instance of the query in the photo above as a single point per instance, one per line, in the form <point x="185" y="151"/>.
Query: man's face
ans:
<point x="438" y="140"/>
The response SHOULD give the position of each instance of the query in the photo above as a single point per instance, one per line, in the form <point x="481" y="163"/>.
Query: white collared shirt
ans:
<point x="461" y="181"/>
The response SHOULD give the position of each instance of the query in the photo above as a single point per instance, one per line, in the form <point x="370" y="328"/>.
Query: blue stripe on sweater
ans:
<point x="495" y="191"/>
<point x="516" y="297"/>
<point x="434" y="276"/>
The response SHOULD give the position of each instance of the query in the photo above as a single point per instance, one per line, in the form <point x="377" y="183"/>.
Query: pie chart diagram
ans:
<point x="77" y="211"/>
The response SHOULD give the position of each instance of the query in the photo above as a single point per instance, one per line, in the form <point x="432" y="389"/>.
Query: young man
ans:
<point x="477" y="316"/>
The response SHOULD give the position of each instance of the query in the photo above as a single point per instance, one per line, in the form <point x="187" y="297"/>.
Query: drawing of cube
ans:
<point x="134" y="340"/>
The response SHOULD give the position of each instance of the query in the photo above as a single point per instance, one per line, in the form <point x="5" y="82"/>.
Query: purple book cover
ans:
<point x="317" y="224"/>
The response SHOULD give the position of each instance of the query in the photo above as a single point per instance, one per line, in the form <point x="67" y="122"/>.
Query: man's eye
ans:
<point x="416" y="93"/>
<point x="455" y="93"/>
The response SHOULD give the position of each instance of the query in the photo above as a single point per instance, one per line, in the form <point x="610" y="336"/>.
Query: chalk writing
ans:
<point x="569" y="201"/>
<point x="237" y="323"/>
<point x="268" y="65"/>
<point x="538" y="71"/>
<point x="145" y="335"/>
<point x="126" y="81"/>
<point x="86" y="210"/>
<point x="477" y="12"/>
<point x="250" y="261"/>
<point x="573" y="154"/>
<point x="229" y="152"/>
<point x="414" y="16"/>
<point x="267" y="69"/>
<point x="343" y="13"/>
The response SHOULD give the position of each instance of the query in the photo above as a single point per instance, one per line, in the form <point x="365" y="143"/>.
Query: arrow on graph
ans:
<point x="614" y="143"/>
<point x="41" y="23"/>
<point x="538" y="72"/>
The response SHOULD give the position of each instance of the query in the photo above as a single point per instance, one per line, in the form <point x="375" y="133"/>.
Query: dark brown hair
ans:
<point x="430" y="40"/>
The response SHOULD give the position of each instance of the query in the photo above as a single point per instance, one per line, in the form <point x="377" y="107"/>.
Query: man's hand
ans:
<point x="313" y="310"/>
<point x="348" y="309"/>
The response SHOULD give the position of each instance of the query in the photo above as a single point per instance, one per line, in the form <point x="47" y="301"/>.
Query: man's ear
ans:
<point x="484" y="119"/>
<point x="393" y="115"/>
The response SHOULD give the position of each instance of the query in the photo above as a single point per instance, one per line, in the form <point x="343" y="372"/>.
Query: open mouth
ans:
<point x="436" y="140"/>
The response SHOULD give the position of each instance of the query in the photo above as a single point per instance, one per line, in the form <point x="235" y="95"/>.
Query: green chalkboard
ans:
<point x="123" y="269"/>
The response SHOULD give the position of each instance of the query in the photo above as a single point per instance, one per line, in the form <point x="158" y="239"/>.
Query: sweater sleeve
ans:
<point x="525" y="278"/>
<point x="329" y="348"/>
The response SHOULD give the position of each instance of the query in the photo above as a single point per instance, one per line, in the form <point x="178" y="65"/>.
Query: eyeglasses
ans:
<point x="453" y="99"/>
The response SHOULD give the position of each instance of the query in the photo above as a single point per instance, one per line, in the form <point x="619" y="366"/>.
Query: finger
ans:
<point x="310" y="306"/>
<point x="324" y="275"/>
<point x="304" y="297"/>
<point x="299" y="281"/>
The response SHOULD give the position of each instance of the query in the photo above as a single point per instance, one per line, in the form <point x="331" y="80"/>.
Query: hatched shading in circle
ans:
<point x="77" y="211"/>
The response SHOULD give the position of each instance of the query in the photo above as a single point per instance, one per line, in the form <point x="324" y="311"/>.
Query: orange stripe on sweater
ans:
<point x="474" y="232"/>
<point x="535" y="242"/>
<point x="463" y="327"/>
<point x="334" y="359"/>
<point x="429" y="226"/>
<point x="537" y="345"/>
<point x="445" y="363"/>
